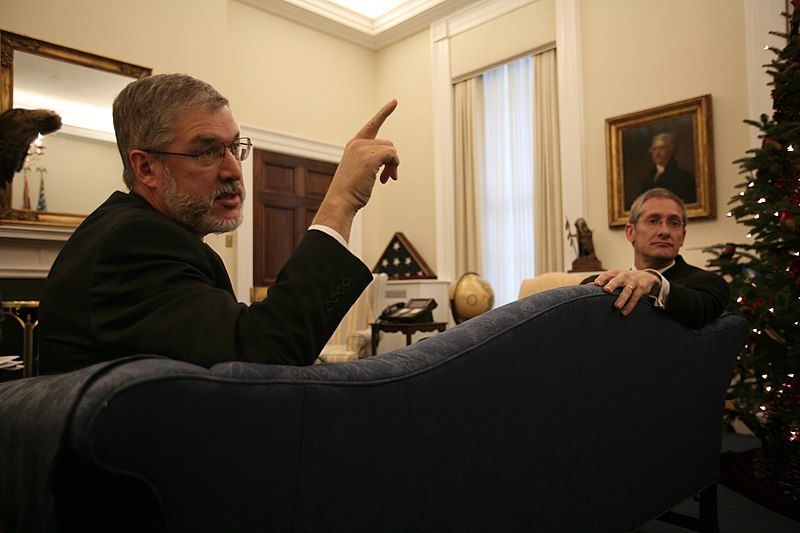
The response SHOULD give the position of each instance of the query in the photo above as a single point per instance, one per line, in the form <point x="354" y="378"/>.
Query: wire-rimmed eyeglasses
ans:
<point x="673" y="223"/>
<point x="213" y="153"/>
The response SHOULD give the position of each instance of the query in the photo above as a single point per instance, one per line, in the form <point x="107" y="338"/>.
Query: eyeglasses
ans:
<point x="213" y="153"/>
<point x="652" y="222"/>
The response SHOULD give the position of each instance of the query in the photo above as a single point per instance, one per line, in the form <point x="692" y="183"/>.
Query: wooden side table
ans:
<point x="409" y="328"/>
<point x="25" y="315"/>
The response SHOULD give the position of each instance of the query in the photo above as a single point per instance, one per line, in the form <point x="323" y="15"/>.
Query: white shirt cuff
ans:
<point x="663" y="293"/>
<point x="332" y="232"/>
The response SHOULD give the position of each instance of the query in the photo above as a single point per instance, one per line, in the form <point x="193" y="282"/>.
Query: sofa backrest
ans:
<point x="552" y="413"/>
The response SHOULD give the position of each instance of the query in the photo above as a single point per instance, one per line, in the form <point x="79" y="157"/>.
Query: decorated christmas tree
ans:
<point x="764" y="275"/>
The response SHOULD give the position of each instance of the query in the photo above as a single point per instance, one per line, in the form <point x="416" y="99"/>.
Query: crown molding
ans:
<point x="276" y="141"/>
<point x="374" y="34"/>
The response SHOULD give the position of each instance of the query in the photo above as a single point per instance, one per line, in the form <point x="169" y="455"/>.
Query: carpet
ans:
<point x="737" y="474"/>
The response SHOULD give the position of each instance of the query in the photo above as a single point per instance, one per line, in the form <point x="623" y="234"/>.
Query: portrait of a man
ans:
<point x="665" y="172"/>
<point x="660" y="154"/>
<point x="669" y="147"/>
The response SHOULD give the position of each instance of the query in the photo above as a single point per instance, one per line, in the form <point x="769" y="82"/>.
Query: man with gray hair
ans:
<point x="656" y="229"/>
<point x="665" y="172"/>
<point x="136" y="276"/>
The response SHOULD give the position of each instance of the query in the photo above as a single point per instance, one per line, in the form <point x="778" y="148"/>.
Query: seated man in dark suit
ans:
<point x="656" y="229"/>
<point x="136" y="276"/>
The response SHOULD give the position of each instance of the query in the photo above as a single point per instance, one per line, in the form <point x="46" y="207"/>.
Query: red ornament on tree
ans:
<point x="787" y="221"/>
<point x="794" y="268"/>
<point x="794" y="191"/>
<point x="770" y="143"/>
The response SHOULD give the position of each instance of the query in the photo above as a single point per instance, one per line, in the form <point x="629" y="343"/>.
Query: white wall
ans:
<point x="640" y="54"/>
<point x="524" y="28"/>
<point x="291" y="79"/>
<point x="279" y="76"/>
<point x="175" y="36"/>
<point x="407" y="205"/>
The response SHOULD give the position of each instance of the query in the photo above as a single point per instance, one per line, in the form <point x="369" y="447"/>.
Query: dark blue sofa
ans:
<point x="552" y="413"/>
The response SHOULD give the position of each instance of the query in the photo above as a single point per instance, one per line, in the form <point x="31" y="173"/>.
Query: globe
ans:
<point x="470" y="296"/>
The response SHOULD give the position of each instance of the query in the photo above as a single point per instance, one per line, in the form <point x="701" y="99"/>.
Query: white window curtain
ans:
<point x="508" y="180"/>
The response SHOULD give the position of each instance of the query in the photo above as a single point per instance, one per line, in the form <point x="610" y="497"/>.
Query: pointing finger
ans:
<point x="370" y="129"/>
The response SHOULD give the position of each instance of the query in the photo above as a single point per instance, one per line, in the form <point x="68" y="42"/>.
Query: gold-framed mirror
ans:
<point x="80" y="161"/>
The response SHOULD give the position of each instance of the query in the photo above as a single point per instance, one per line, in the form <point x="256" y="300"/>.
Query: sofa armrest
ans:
<point x="359" y="341"/>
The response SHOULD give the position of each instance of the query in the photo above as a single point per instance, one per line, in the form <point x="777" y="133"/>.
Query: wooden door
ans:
<point x="287" y="191"/>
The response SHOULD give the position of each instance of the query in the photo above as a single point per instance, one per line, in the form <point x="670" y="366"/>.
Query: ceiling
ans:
<point x="371" y="8"/>
<point x="376" y="29"/>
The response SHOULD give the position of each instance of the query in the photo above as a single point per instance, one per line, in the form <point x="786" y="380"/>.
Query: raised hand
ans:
<point x="351" y="187"/>
<point x="363" y="157"/>
<point x="370" y="131"/>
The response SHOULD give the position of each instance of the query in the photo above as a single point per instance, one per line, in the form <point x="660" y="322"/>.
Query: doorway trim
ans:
<point x="275" y="141"/>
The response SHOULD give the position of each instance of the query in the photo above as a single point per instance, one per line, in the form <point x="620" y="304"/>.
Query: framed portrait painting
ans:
<point x="669" y="146"/>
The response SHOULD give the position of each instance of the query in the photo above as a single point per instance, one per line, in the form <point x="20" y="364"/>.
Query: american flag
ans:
<point x="26" y="194"/>
<point x="42" y="206"/>
<point x="401" y="261"/>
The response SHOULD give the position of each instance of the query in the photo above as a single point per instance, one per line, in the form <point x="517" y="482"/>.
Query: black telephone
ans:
<point x="415" y="310"/>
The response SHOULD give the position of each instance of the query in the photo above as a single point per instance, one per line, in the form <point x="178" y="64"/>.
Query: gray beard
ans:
<point x="196" y="212"/>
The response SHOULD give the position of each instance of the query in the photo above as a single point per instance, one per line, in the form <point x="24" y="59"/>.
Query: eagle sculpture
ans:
<point x="18" y="129"/>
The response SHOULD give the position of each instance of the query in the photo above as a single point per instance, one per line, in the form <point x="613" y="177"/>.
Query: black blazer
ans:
<point x="674" y="178"/>
<point x="696" y="296"/>
<point x="131" y="281"/>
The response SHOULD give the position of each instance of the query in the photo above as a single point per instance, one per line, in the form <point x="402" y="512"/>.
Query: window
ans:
<point x="506" y="181"/>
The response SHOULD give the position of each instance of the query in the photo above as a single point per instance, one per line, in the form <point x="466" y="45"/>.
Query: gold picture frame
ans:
<point x="689" y="168"/>
<point x="79" y="63"/>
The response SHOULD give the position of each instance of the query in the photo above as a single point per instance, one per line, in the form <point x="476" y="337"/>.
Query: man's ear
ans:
<point x="146" y="168"/>
<point x="630" y="232"/>
<point x="683" y="237"/>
